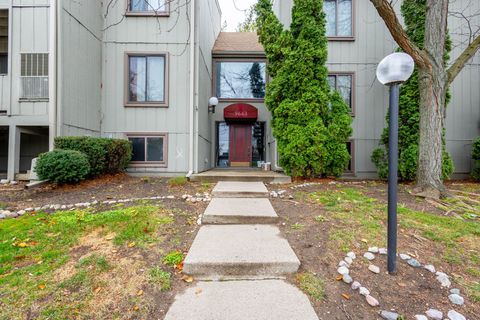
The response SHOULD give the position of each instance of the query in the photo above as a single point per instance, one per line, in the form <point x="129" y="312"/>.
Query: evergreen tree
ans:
<point x="257" y="83"/>
<point x="311" y="123"/>
<point x="413" y="12"/>
<point x="249" y="24"/>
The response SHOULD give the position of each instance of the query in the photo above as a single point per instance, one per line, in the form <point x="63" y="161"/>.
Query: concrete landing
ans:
<point x="221" y="252"/>
<point x="239" y="189"/>
<point x="252" y="174"/>
<point x="239" y="211"/>
<point x="242" y="300"/>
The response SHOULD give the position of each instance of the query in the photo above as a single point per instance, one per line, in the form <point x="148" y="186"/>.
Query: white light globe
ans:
<point x="213" y="101"/>
<point x="395" y="68"/>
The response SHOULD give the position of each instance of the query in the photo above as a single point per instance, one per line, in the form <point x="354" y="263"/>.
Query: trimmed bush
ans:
<point x="476" y="158"/>
<point x="62" y="166"/>
<point x="104" y="155"/>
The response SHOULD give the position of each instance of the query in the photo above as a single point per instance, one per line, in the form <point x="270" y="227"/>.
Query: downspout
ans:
<point x="197" y="80"/>
<point x="10" y="55"/>
<point x="58" y="66"/>
<point x="192" y="90"/>
<point x="52" y="81"/>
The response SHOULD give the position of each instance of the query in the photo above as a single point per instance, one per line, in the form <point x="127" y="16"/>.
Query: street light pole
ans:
<point x="393" y="177"/>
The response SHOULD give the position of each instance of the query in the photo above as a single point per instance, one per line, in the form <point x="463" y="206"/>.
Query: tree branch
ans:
<point x="387" y="13"/>
<point x="466" y="55"/>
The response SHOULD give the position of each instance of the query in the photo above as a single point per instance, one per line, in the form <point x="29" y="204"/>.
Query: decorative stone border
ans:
<point x="442" y="278"/>
<point x="6" y="214"/>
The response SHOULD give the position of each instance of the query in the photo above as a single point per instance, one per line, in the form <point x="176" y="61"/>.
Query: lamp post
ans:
<point x="392" y="71"/>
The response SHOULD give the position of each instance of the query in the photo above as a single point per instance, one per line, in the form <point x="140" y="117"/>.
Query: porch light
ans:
<point x="392" y="71"/>
<point x="212" y="104"/>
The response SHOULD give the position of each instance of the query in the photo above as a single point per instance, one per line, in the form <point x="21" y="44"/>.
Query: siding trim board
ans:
<point x="146" y="104"/>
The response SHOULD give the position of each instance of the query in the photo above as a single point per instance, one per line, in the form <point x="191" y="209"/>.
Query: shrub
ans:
<point x="476" y="158"/>
<point x="104" y="155"/>
<point x="63" y="166"/>
<point x="173" y="258"/>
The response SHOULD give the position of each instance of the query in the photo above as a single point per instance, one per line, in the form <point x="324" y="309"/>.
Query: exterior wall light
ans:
<point x="212" y="104"/>
<point x="392" y="71"/>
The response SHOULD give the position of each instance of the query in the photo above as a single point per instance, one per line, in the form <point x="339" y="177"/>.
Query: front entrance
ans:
<point x="240" y="145"/>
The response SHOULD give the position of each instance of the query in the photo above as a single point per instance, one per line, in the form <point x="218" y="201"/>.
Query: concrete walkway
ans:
<point x="238" y="245"/>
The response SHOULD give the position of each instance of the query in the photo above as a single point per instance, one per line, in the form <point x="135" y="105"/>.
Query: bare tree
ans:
<point x="434" y="79"/>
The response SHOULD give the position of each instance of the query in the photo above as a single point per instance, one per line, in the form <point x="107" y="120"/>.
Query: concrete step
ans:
<point x="222" y="252"/>
<point x="240" y="189"/>
<point x="251" y="175"/>
<point x="242" y="300"/>
<point x="239" y="211"/>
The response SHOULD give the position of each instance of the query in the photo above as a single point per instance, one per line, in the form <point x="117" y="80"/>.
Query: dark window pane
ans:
<point x="3" y="63"/>
<point x="349" y="149"/>
<point x="138" y="145"/>
<point x="155" y="149"/>
<point x="223" y="147"/>
<point x="330" y="8"/>
<point x="344" y="86"/>
<point x="137" y="78"/>
<point x="344" y="18"/>
<point x="245" y="80"/>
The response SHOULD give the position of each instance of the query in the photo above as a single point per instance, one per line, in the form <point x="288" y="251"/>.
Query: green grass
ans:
<point x="3" y="205"/>
<point x="173" y="258"/>
<point x="34" y="246"/>
<point x="311" y="285"/>
<point x="177" y="181"/>
<point x="297" y="226"/>
<point x="161" y="278"/>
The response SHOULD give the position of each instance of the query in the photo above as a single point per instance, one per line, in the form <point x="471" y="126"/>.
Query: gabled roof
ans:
<point x="237" y="43"/>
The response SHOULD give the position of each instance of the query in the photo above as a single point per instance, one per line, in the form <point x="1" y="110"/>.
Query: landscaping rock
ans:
<point x="369" y="256"/>
<point x="2" y="216"/>
<point x="430" y="268"/>
<point x="383" y="251"/>
<point x="420" y="317"/>
<point x="405" y="256"/>
<point x="347" y="279"/>
<point x="456" y="299"/>
<point x="373" y="249"/>
<point x="343" y="270"/>
<point x="414" y="263"/>
<point x="343" y="264"/>
<point x="434" y="314"/>
<point x="364" y="291"/>
<point x="4" y="181"/>
<point x="455" y="291"/>
<point x="374" y="268"/>
<point x="13" y="182"/>
<point x="356" y="285"/>
<point x="21" y="212"/>
<point x="443" y="279"/>
<point x="371" y="300"/>
<point x="454" y="315"/>
<point x="352" y="255"/>
<point x="348" y="260"/>
<point x="388" y="315"/>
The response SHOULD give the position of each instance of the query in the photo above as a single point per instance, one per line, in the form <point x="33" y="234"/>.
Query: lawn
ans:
<point x="84" y="264"/>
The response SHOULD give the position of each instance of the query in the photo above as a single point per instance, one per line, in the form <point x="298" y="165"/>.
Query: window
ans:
<point x="34" y="76"/>
<point x="343" y="83"/>
<point x="148" y="7"/>
<point x="240" y="80"/>
<point x="339" y="18"/>
<point x="350" y="149"/>
<point x="146" y="83"/>
<point x="3" y="41"/>
<point x="149" y="149"/>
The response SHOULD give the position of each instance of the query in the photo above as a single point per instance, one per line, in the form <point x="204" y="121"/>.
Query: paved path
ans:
<point x="238" y="245"/>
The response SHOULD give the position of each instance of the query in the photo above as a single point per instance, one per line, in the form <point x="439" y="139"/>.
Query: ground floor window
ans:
<point x="350" y="148"/>
<point x="240" y="144"/>
<point x="149" y="149"/>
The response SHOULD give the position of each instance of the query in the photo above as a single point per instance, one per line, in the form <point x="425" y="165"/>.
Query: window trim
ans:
<point x="20" y="77"/>
<point x="353" y="99"/>
<point x="150" y="13"/>
<point x="214" y="79"/>
<point x="146" y="104"/>
<point x="156" y="164"/>
<point x="350" y="38"/>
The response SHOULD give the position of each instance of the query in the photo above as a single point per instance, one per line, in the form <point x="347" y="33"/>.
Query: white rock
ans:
<point x="434" y="314"/>
<point x="21" y="212"/>
<point x="13" y="182"/>
<point x="2" y="216"/>
<point x="170" y="197"/>
<point x="383" y="251"/>
<point x="456" y="299"/>
<point x="63" y="207"/>
<point x="343" y="264"/>
<point x="373" y="249"/>
<point x="369" y="256"/>
<point x="443" y="279"/>
<point x="185" y="196"/>
<point x="4" y="181"/>
<point x="364" y="291"/>
<point x="405" y="256"/>
<point x="57" y="206"/>
<point x="430" y="268"/>
<point x="371" y="300"/>
<point x="352" y="255"/>
<point x="374" y="268"/>
<point x="455" y="291"/>
<point x="29" y="209"/>
<point x="454" y="315"/>
<point x="420" y="317"/>
<point x="343" y="270"/>
<point x="356" y="285"/>
<point x="347" y="279"/>
<point x="348" y="260"/>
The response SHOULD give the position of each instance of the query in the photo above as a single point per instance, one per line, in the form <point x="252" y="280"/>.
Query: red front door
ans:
<point x="240" y="145"/>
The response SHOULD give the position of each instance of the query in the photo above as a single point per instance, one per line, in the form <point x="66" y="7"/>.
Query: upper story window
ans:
<point x="34" y="76"/>
<point x="146" y="80"/>
<point x="3" y="41"/>
<point x="240" y="79"/>
<point x="149" y="7"/>
<point x="339" y="18"/>
<point x="343" y="83"/>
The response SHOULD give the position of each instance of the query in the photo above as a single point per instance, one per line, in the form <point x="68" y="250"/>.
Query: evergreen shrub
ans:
<point x="62" y="166"/>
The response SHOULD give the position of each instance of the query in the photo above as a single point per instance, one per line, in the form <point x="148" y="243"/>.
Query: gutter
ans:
<point x="192" y="90"/>
<point x="52" y="81"/>
<point x="58" y="67"/>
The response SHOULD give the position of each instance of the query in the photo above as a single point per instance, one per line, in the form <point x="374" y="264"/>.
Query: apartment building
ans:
<point x="145" y="70"/>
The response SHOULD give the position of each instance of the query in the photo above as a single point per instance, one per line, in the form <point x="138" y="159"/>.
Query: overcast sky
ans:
<point x="233" y="11"/>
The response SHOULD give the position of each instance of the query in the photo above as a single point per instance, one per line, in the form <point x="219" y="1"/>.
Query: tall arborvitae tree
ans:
<point x="413" y="12"/>
<point x="311" y="123"/>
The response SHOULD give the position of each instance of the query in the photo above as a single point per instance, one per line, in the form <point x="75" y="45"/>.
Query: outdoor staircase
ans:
<point x="241" y="261"/>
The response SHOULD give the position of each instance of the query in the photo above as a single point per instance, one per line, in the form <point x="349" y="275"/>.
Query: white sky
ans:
<point x="232" y="12"/>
